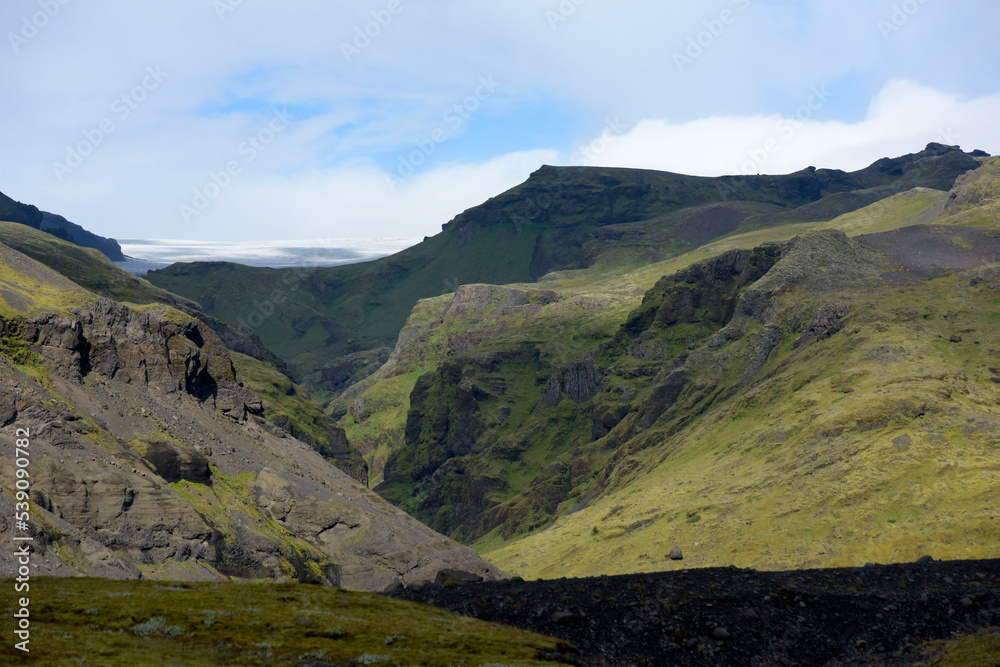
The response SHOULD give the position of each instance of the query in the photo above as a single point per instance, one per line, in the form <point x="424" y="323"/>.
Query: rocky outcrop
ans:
<point x="372" y="551"/>
<point x="154" y="347"/>
<point x="705" y="294"/>
<point x="175" y="462"/>
<point x="128" y="511"/>
<point x="484" y="299"/>
<point x="580" y="381"/>
<point x="826" y="321"/>
<point x="975" y="188"/>
<point x="129" y="481"/>
<point x="759" y="348"/>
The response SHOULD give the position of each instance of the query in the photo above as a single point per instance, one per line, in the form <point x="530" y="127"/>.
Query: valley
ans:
<point x="601" y="373"/>
<point x="744" y="400"/>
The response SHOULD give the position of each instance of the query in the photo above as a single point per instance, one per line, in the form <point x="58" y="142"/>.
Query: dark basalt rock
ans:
<point x="581" y="381"/>
<point x="875" y="615"/>
<point x="173" y="463"/>
<point x="825" y="322"/>
<point x="141" y="346"/>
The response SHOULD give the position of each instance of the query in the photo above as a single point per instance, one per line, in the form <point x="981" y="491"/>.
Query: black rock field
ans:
<point x="875" y="615"/>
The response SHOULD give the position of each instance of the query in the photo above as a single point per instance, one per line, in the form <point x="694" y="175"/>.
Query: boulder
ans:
<point x="174" y="462"/>
<point x="449" y="577"/>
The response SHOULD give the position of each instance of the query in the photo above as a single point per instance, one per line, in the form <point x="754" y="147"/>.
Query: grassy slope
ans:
<point x="979" y="650"/>
<point x="594" y="302"/>
<point x="750" y="483"/>
<point x="102" y="622"/>
<point x="87" y="267"/>
<point x="28" y="287"/>
<point x="819" y="464"/>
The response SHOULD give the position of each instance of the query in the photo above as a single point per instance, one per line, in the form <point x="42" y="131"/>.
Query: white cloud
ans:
<point x="606" y="60"/>
<point x="903" y="118"/>
<point x="360" y="202"/>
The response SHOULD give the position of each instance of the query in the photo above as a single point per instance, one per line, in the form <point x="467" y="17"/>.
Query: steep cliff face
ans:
<point x="148" y="457"/>
<point x="156" y="348"/>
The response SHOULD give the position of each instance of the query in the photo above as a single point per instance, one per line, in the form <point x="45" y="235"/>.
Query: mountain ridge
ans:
<point x="57" y="225"/>
<point x="549" y="222"/>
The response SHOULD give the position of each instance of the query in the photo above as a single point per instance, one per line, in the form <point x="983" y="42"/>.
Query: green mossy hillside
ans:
<point x="554" y="399"/>
<point x="87" y="267"/>
<point x="566" y="315"/>
<point x="878" y="442"/>
<point x="28" y="287"/>
<point x="104" y="622"/>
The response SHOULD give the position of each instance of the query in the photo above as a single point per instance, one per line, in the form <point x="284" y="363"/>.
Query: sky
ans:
<point x="224" y="120"/>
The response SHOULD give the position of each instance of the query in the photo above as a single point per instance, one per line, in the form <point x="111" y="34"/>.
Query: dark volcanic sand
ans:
<point x="921" y="252"/>
<point x="877" y="614"/>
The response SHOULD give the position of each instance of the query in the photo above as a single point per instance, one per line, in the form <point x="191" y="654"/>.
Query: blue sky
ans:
<point x="223" y="119"/>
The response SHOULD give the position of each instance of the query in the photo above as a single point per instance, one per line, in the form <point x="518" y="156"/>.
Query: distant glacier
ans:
<point x="142" y="255"/>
